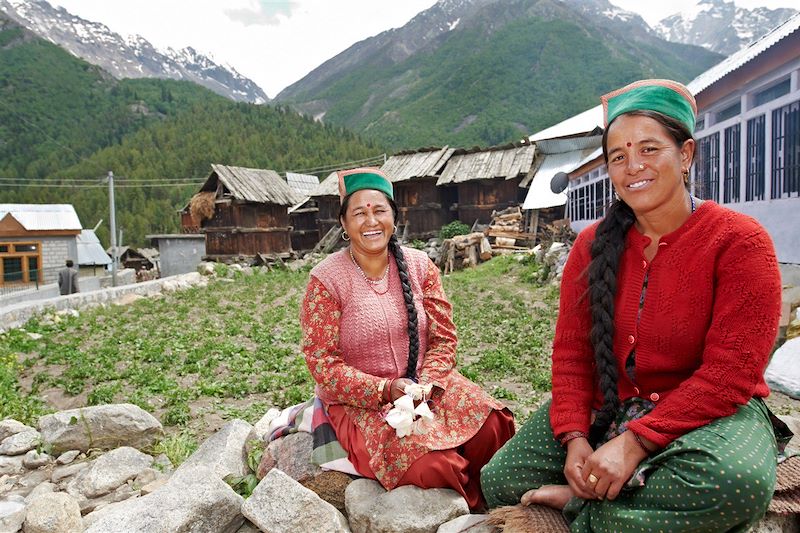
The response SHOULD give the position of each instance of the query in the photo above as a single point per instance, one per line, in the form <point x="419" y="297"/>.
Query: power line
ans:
<point x="337" y="166"/>
<point x="102" y="186"/>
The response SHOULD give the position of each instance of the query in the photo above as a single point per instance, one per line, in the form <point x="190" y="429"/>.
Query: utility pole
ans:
<point x="113" y="221"/>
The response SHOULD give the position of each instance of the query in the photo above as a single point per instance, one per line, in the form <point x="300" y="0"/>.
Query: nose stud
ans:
<point x="641" y="166"/>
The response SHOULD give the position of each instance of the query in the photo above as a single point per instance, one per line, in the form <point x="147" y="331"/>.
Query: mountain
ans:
<point x="487" y="71"/>
<point x="63" y="120"/>
<point x="721" y="26"/>
<point x="129" y="58"/>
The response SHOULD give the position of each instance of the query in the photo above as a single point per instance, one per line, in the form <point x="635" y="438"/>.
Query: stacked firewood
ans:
<point x="504" y="235"/>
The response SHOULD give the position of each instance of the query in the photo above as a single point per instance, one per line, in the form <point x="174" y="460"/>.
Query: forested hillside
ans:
<point x="63" y="120"/>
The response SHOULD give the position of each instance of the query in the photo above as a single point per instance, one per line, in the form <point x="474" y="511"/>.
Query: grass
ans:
<point x="198" y="357"/>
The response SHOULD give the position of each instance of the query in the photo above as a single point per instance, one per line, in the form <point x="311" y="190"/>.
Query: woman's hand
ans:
<point x="608" y="469"/>
<point x="397" y="388"/>
<point x="578" y="450"/>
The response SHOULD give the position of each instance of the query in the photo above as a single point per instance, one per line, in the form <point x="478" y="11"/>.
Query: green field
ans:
<point x="198" y="357"/>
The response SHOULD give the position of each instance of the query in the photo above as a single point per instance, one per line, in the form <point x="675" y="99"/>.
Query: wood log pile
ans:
<point x="504" y="235"/>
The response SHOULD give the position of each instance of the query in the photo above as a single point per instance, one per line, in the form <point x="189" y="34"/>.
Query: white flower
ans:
<point x="407" y="419"/>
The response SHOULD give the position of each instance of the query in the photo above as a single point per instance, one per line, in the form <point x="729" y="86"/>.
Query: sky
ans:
<point x="277" y="42"/>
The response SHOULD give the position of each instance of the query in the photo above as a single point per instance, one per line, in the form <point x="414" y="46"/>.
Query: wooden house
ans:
<point x="303" y="216"/>
<point x="326" y="196"/>
<point x="244" y="212"/>
<point x="423" y="207"/>
<point x="487" y="180"/>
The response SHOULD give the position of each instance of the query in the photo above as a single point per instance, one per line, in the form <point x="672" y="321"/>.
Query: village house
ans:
<point x="303" y="215"/>
<point x="748" y="134"/>
<point x="487" y="180"/>
<point x="326" y="196"/>
<point x="35" y="241"/>
<point x="423" y="207"/>
<point x="243" y="213"/>
<point x="92" y="258"/>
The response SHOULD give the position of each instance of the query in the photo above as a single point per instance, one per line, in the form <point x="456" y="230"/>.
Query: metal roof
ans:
<point x="744" y="56"/>
<point x="302" y="183"/>
<point x="581" y="123"/>
<point x="539" y="193"/>
<point x="420" y="164"/>
<point x="90" y="251"/>
<point x="328" y="187"/>
<point x="43" y="217"/>
<point x="253" y="185"/>
<point x="488" y="164"/>
<point x="560" y="146"/>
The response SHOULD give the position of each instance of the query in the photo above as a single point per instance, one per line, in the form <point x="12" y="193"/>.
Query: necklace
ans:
<point x="366" y="278"/>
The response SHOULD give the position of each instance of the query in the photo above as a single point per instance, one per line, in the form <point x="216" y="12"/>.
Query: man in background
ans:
<point x="68" y="279"/>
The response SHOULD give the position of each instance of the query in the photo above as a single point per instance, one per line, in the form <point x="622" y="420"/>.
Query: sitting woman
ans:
<point x="669" y="309"/>
<point x="375" y="320"/>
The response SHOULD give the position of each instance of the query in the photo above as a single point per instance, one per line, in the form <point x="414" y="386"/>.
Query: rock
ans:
<point x="267" y="462"/>
<point x="67" y="457"/>
<point x="330" y="485"/>
<point x="11" y="464"/>
<point x="12" y="515"/>
<point x="468" y="523"/>
<point x="127" y="299"/>
<point x="20" y="443"/>
<point x="223" y="451"/>
<point x="776" y="523"/>
<point x="292" y="454"/>
<point x="40" y="489"/>
<point x="120" y="494"/>
<point x="195" y="500"/>
<point x="409" y="509"/>
<point x="30" y="481"/>
<point x="67" y="471"/>
<point x="148" y="475"/>
<point x="103" y="426"/>
<point x="206" y="269"/>
<point x="280" y="503"/>
<point x="248" y="527"/>
<point x="109" y="471"/>
<point x="162" y="463"/>
<point x="260" y="430"/>
<point x="794" y="425"/>
<point x="154" y="485"/>
<point x="10" y="427"/>
<point x="34" y="460"/>
<point x="53" y="513"/>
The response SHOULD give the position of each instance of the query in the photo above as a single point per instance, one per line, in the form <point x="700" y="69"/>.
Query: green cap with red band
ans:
<point x="358" y="179"/>
<point x="667" y="97"/>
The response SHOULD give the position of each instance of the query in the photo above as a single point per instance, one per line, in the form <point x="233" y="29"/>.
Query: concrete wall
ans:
<point x="50" y="290"/>
<point x="782" y="221"/>
<point x="16" y="315"/>
<point x="179" y="254"/>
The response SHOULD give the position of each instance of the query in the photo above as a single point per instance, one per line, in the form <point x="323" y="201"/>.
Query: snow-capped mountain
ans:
<point x="720" y="25"/>
<point x="134" y="57"/>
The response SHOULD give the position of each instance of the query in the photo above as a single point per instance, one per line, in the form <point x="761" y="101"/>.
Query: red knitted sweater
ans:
<point x="704" y="336"/>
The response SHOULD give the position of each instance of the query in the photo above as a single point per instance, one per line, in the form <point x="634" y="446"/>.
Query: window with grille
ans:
<point x="754" y="172"/>
<point x="707" y="169"/>
<point x="772" y="93"/>
<point x="786" y="151"/>
<point x="732" y="167"/>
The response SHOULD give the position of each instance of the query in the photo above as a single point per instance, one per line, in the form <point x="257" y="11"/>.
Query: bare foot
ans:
<point x="555" y="496"/>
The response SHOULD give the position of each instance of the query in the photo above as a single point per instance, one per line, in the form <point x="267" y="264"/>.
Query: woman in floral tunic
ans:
<point x="375" y="320"/>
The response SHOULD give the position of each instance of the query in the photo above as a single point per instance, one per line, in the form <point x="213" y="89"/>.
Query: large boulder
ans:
<point x="56" y="512"/>
<point x="20" y="443"/>
<point x="103" y="426"/>
<point x="224" y="451"/>
<point x="194" y="500"/>
<point x="109" y="472"/>
<point x="10" y="427"/>
<point x="279" y="503"/>
<point x="12" y="514"/>
<point x="408" y="508"/>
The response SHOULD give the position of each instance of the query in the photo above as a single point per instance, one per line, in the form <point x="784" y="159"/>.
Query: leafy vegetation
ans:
<point x="63" y="120"/>
<point x="452" y="229"/>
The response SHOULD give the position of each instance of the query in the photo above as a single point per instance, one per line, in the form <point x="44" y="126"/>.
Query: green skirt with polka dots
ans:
<point x="717" y="478"/>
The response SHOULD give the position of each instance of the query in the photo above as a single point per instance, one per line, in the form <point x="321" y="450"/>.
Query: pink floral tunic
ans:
<point x="355" y="335"/>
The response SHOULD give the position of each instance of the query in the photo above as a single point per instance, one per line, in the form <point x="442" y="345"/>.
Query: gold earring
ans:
<point x="345" y="236"/>
<point x="685" y="173"/>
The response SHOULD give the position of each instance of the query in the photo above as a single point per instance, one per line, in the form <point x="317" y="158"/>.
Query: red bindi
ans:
<point x="368" y="205"/>
<point x="629" y="145"/>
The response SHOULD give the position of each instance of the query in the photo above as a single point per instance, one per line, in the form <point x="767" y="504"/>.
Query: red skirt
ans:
<point x="456" y="468"/>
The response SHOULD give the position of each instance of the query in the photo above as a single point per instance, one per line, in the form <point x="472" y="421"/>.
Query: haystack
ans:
<point x="201" y="207"/>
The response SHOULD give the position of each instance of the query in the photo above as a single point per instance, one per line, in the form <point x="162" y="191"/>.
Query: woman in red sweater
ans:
<point x="669" y="309"/>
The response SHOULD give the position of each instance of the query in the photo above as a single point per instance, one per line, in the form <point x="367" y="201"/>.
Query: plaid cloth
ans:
<point x="311" y="417"/>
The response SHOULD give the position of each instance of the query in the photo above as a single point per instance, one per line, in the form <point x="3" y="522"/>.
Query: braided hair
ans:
<point x="408" y="295"/>
<point x="606" y="253"/>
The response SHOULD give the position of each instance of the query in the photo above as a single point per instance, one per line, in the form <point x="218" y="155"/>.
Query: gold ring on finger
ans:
<point x="593" y="479"/>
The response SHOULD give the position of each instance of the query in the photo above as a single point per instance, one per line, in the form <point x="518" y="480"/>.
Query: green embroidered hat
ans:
<point x="358" y="179"/>
<point x="667" y="97"/>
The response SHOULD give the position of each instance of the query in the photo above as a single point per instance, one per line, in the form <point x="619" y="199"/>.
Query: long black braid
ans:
<point x="408" y="295"/>
<point x="606" y="252"/>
